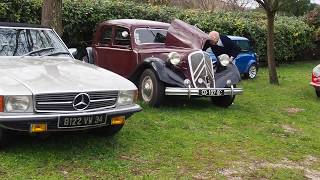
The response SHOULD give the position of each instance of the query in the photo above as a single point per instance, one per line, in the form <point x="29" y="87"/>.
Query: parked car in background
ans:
<point x="246" y="61"/>
<point x="163" y="60"/>
<point x="315" y="80"/>
<point x="44" y="89"/>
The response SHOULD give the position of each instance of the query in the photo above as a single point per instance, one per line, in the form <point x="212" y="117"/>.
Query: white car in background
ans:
<point x="43" y="88"/>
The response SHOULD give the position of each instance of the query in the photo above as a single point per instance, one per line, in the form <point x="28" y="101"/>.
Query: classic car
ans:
<point x="315" y="80"/>
<point x="246" y="61"/>
<point x="163" y="60"/>
<point x="44" y="89"/>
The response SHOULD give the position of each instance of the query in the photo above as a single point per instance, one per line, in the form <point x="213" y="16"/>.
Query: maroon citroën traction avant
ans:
<point x="163" y="60"/>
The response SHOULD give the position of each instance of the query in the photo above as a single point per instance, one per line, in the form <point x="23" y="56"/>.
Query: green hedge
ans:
<point x="313" y="19"/>
<point x="80" y="17"/>
<point x="20" y="11"/>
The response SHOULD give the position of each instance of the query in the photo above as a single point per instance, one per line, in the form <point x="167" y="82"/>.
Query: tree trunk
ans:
<point x="52" y="15"/>
<point x="273" y="77"/>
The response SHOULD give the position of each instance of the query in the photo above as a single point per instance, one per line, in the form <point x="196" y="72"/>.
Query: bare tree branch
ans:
<point x="262" y="3"/>
<point x="238" y="4"/>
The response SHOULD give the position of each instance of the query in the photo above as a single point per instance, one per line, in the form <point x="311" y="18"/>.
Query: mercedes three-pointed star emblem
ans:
<point x="81" y="101"/>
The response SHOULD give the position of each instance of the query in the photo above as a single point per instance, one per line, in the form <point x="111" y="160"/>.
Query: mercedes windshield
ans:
<point x="16" y="41"/>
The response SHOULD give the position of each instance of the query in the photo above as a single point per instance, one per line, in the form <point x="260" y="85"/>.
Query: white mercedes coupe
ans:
<point x="43" y="88"/>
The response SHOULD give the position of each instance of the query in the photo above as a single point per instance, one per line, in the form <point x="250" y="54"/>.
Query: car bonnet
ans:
<point x="56" y="74"/>
<point x="181" y="34"/>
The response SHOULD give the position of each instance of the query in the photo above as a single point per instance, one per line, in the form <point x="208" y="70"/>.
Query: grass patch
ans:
<point x="190" y="139"/>
<point x="280" y="173"/>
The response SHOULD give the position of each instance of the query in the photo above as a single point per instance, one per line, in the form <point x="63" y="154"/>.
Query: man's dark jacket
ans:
<point x="229" y="47"/>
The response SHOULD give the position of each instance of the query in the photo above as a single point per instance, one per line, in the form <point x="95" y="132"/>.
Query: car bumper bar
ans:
<point x="114" y="111"/>
<point x="196" y="91"/>
<point x="21" y="122"/>
<point x="316" y="85"/>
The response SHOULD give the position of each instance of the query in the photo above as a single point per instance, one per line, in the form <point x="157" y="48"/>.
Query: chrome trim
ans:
<point x="103" y="100"/>
<point x="189" y="92"/>
<point x="49" y="103"/>
<point x="232" y="90"/>
<point x="82" y="101"/>
<point x="125" y="110"/>
<point x="23" y="116"/>
<point x="65" y="46"/>
<point x="89" y="110"/>
<point x="28" y="110"/>
<point x="176" y="91"/>
<point x="13" y="27"/>
<point x="203" y="64"/>
<point x="55" y="130"/>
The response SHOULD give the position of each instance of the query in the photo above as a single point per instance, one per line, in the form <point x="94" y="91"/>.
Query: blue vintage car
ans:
<point x="246" y="61"/>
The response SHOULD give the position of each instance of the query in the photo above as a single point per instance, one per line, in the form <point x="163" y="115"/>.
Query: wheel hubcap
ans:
<point x="252" y="72"/>
<point x="147" y="89"/>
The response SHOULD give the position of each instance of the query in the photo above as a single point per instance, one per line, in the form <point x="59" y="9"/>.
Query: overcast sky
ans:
<point x="255" y="4"/>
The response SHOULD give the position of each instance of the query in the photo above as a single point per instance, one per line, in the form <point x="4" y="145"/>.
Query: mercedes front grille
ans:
<point x="65" y="102"/>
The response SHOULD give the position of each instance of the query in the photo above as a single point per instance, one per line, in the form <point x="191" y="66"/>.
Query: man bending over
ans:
<point x="221" y="44"/>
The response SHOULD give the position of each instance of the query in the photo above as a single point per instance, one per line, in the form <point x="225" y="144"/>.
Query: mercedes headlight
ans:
<point x="224" y="60"/>
<point x="18" y="104"/>
<point x="174" y="58"/>
<point x="316" y="71"/>
<point x="127" y="97"/>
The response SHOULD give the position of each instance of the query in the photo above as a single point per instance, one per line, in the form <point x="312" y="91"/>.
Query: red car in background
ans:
<point x="316" y="79"/>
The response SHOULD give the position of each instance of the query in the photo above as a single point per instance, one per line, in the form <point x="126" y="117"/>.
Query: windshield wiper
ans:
<point x="56" y="53"/>
<point x="38" y="51"/>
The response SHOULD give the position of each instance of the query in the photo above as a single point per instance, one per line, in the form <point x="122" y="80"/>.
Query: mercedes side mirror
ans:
<point x="73" y="51"/>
